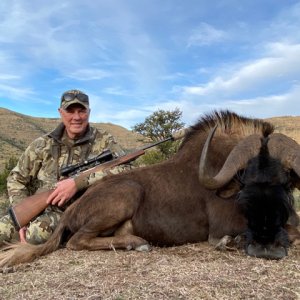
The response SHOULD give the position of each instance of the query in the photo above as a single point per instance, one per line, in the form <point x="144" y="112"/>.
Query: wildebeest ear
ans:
<point x="229" y="190"/>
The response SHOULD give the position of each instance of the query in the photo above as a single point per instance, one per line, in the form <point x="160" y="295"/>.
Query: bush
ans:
<point x="3" y="185"/>
<point x="9" y="165"/>
<point x="157" y="127"/>
<point x="150" y="157"/>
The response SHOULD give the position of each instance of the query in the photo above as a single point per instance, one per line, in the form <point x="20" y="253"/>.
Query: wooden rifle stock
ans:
<point x="23" y="212"/>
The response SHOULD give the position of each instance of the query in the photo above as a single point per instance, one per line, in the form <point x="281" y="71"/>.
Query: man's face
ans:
<point x="75" y="118"/>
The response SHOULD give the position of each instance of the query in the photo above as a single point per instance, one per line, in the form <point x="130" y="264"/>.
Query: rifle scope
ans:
<point x="105" y="156"/>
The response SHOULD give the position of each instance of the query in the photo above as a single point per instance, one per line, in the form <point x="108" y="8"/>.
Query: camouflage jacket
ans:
<point x="39" y="166"/>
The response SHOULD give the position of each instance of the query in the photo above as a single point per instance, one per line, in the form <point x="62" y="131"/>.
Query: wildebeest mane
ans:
<point x="229" y="123"/>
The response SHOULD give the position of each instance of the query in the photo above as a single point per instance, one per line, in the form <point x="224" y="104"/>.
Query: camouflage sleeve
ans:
<point x="107" y="142"/>
<point x="20" y="177"/>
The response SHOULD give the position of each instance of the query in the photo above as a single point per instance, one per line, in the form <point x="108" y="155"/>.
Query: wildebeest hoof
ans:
<point x="240" y="241"/>
<point x="143" y="248"/>
<point x="225" y="243"/>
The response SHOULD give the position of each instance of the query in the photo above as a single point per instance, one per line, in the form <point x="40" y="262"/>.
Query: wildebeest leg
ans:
<point x="81" y="240"/>
<point x="106" y="220"/>
<point x="228" y="242"/>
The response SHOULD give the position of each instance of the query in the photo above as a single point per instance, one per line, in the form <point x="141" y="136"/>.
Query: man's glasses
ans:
<point x="70" y="96"/>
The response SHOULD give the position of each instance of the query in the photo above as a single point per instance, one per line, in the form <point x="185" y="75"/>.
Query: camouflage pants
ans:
<point x="38" y="231"/>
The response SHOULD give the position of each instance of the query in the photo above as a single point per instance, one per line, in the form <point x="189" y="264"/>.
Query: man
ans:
<point x="38" y="169"/>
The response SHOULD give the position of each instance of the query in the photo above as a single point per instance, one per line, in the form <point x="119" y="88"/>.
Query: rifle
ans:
<point x="72" y="170"/>
<point x="23" y="212"/>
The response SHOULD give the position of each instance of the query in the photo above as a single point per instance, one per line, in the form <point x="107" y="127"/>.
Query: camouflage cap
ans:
<point x="72" y="97"/>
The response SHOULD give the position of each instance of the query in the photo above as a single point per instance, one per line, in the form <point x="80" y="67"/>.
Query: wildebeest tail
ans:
<point x="19" y="253"/>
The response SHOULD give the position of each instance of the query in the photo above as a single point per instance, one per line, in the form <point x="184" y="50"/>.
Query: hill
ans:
<point x="288" y="125"/>
<point x="18" y="130"/>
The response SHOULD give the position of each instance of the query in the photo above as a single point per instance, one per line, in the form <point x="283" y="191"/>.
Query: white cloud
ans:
<point x="89" y="74"/>
<point x="126" y="118"/>
<point x="117" y="91"/>
<point x="16" y="93"/>
<point x="139" y="59"/>
<point x="285" y="104"/>
<point x="9" y="77"/>
<point x="205" y="35"/>
<point x="281" y="63"/>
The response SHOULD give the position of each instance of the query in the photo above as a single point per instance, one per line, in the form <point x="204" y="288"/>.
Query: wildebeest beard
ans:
<point x="266" y="200"/>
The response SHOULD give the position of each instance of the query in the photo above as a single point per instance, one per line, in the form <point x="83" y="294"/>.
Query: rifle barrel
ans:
<point x="157" y="143"/>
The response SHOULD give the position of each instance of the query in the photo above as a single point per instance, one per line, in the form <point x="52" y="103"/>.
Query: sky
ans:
<point x="134" y="57"/>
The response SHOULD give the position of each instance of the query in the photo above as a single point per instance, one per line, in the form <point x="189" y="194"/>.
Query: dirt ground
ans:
<point x="187" y="272"/>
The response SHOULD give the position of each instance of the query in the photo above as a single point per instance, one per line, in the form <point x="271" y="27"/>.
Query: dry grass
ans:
<point x="187" y="272"/>
<point x="289" y="126"/>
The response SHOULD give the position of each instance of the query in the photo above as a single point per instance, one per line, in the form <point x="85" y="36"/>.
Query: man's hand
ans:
<point x="65" y="190"/>
<point x="22" y="234"/>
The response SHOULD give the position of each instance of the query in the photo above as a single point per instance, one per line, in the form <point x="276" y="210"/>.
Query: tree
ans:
<point x="158" y="126"/>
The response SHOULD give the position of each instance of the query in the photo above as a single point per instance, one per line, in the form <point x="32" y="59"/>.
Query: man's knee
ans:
<point x="40" y="230"/>
<point x="38" y="233"/>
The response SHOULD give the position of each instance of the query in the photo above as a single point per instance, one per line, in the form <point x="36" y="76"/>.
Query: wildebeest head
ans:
<point x="266" y="201"/>
<point x="267" y="169"/>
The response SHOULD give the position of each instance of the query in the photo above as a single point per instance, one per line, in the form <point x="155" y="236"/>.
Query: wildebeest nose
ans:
<point x="266" y="251"/>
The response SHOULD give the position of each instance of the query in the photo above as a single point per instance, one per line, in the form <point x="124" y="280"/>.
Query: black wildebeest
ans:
<point x="242" y="184"/>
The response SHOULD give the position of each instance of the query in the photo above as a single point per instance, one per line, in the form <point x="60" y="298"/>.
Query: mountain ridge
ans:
<point x="18" y="130"/>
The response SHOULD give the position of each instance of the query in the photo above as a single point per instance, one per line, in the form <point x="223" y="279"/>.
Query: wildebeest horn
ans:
<point x="286" y="149"/>
<point x="236" y="160"/>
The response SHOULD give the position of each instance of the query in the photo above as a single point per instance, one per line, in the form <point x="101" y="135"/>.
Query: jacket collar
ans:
<point x="58" y="132"/>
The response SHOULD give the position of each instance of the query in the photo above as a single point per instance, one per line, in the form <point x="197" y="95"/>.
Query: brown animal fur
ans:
<point x="163" y="204"/>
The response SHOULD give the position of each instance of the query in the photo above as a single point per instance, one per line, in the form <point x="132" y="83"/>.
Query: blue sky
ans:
<point x="133" y="57"/>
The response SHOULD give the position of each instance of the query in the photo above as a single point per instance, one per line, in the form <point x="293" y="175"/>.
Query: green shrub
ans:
<point x="157" y="127"/>
<point x="3" y="177"/>
<point x="9" y="165"/>
<point x="150" y="157"/>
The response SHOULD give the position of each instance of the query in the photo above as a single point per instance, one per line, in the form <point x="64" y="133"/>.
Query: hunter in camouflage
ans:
<point x="38" y="168"/>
